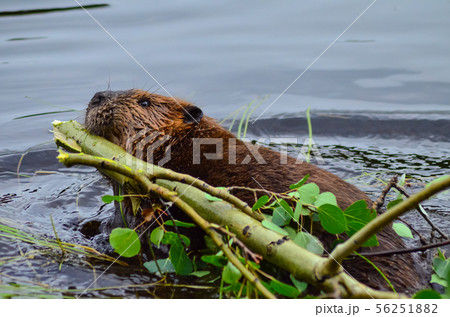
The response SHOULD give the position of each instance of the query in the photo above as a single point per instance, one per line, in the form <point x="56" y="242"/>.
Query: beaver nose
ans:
<point x="100" y="98"/>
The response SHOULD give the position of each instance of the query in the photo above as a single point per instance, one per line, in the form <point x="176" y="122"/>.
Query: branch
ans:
<point x="147" y="186"/>
<point x="66" y="132"/>
<point x="275" y="248"/>
<point x="357" y="240"/>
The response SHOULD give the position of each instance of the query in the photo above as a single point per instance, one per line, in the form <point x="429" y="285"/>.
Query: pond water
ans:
<point x="379" y="98"/>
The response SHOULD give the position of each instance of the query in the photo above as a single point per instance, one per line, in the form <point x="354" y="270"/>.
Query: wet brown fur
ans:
<point x="120" y="117"/>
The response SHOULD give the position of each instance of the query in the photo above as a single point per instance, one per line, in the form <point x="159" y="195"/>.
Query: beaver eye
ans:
<point x="144" y="103"/>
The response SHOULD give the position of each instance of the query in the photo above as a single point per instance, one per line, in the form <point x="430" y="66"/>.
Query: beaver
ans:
<point x="176" y="134"/>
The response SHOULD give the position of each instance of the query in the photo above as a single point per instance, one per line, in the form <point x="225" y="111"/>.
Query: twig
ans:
<point x="380" y="201"/>
<point x="259" y="190"/>
<point x="410" y="250"/>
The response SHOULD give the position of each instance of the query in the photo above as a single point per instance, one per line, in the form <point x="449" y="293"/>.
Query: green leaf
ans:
<point x="315" y="217"/>
<point x="401" y="183"/>
<point x="423" y="210"/>
<point x="231" y="274"/>
<point x="359" y="212"/>
<point x="393" y="203"/>
<point x="232" y="288"/>
<point x="280" y="217"/>
<point x="125" y="242"/>
<point x="447" y="295"/>
<point x="294" y="194"/>
<point x="332" y="219"/>
<point x="180" y="259"/>
<point x="355" y="226"/>
<point x="173" y="238"/>
<point x="300" y="182"/>
<point x="170" y="238"/>
<point x="441" y="267"/>
<point x="108" y="199"/>
<point x="212" y="198"/>
<point x="254" y="265"/>
<point x="300" y="211"/>
<point x="286" y="207"/>
<point x="261" y="202"/>
<point x="402" y="230"/>
<point x="291" y="232"/>
<point x="200" y="273"/>
<point x="440" y="254"/>
<point x="325" y="198"/>
<point x="271" y="226"/>
<point x="164" y="264"/>
<point x="309" y="242"/>
<point x="179" y="224"/>
<point x="216" y="260"/>
<point x="301" y="286"/>
<point x="438" y="280"/>
<point x="308" y="193"/>
<point x="156" y="236"/>
<point x="284" y="289"/>
<point x="427" y="294"/>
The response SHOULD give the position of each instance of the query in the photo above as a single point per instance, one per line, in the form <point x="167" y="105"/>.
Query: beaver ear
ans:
<point x="192" y="114"/>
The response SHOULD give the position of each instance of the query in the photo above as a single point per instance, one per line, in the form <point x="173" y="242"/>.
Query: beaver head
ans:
<point x="120" y="116"/>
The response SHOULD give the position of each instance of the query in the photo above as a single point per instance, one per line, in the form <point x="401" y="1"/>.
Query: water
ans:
<point x="378" y="96"/>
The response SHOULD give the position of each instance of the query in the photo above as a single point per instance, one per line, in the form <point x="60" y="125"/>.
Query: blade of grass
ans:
<point x="308" y="118"/>
<point x="250" y="114"/>
<point x="56" y="235"/>
<point x="235" y="112"/>
<point x="42" y="114"/>
<point x="241" y="122"/>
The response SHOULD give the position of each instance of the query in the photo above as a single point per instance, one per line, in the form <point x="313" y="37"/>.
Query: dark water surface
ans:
<point x="379" y="99"/>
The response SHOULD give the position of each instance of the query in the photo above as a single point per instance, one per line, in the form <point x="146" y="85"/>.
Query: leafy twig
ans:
<point x="260" y="190"/>
<point x="357" y="240"/>
<point x="101" y="163"/>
